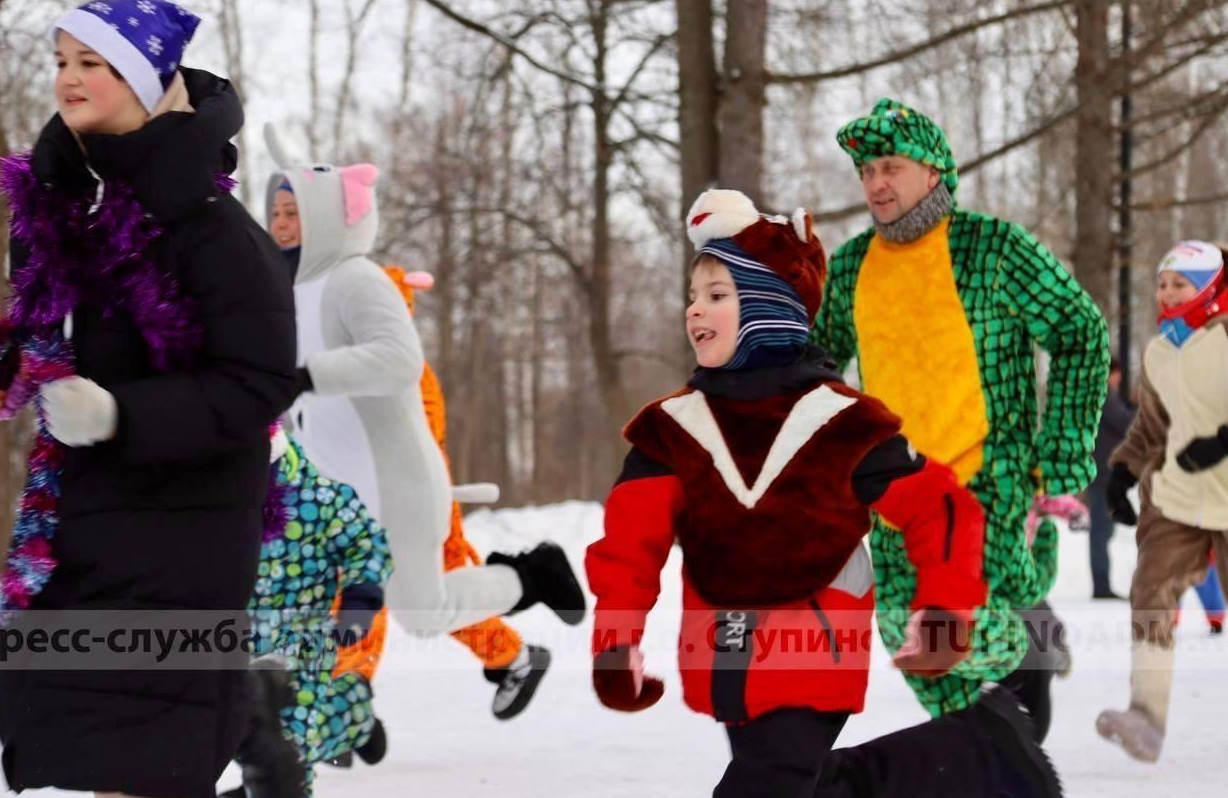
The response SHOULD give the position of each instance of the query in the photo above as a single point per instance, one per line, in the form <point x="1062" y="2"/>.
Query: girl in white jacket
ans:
<point x="1177" y="450"/>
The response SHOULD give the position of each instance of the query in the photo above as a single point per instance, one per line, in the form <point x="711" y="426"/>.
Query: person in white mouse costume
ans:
<point x="360" y="416"/>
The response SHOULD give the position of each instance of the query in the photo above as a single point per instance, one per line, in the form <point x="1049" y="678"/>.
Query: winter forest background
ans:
<point x="538" y="156"/>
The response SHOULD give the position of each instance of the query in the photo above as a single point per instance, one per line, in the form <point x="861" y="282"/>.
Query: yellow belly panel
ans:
<point x="916" y="349"/>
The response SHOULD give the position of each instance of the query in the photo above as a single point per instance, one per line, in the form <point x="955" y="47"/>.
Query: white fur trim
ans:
<point x="807" y="417"/>
<point x="120" y="53"/>
<point x="799" y="224"/>
<point x="279" y="445"/>
<point x="857" y="576"/>
<point x="731" y="212"/>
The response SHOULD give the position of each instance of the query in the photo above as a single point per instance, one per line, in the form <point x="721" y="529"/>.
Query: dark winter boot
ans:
<point x="376" y="746"/>
<point x="518" y="681"/>
<point x="270" y="763"/>
<point x="985" y="750"/>
<point x="1021" y="767"/>
<point x="1032" y="684"/>
<point x="546" y="576"/>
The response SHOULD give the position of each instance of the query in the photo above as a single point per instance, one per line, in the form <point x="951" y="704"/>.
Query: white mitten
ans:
<point x="79" y="412"/>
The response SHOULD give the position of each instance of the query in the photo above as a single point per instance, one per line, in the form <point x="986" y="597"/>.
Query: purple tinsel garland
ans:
<point x="75" y="255"/>
<point x="276" y="509"/>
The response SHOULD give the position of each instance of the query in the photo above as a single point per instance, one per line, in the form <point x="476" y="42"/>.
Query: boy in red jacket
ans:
<point x="765" y="470"/>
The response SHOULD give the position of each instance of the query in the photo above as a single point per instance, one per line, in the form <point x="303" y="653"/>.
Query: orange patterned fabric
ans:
<point x="363" y="657"/>
<point x="492" y="640"/>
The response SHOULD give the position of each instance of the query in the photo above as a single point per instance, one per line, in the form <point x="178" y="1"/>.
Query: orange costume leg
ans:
<point x="364" y="656"/>
<point x="492" y="641"/>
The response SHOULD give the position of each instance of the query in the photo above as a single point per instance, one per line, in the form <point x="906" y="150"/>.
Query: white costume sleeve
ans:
<point x="386" y="357"/>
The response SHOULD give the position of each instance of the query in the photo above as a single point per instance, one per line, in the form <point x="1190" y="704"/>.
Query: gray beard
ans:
<point x="920" y="220"/>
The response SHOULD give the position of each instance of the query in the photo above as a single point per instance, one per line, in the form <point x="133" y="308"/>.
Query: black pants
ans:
<point x="1032" y="680"/>
<point x="788" y="754"/>
<point x="1099" y="536"/>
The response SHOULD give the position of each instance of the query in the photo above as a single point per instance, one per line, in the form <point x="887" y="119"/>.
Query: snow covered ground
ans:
<point x="444" y="741"/>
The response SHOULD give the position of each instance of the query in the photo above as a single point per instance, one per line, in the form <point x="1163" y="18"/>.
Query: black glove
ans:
<point x="1203" y="453"/>
<point x="302" y="382"/>
<point x="1115" y="495"/>
<point x="359" y="605"/>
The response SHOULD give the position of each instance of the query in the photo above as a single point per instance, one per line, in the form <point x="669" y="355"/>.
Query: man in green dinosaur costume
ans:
<point x="942" y="308"/>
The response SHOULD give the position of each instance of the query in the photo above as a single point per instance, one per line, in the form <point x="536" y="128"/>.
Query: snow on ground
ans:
<point x="444" y="741"/>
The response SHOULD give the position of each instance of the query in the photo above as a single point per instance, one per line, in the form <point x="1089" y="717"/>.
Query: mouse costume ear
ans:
<point x="277" y="148"/>
<point x="419" y="281"/>
<point x="358" y="186"/>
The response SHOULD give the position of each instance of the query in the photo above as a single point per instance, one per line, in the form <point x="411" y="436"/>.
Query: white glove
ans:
<point x="79" y="412"/>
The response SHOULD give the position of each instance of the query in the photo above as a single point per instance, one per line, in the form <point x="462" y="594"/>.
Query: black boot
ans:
<point x="546" y="576"/>
<point x="518" y="682"/>
<point x="270" y="763"/>
<point x="376" y="746"/>
<point x="986" y="750"/>
<point x="1021" y="767"/>
<point x="1032" y="683"/>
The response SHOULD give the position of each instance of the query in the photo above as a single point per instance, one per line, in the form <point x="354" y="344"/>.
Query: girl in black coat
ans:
<point x="152" y="324"/>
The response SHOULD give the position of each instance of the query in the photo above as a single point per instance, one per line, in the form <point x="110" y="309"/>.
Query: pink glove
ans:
<point x="1067" y="508"/>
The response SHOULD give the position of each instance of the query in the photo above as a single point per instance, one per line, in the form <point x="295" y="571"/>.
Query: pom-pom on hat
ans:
<point x="893" y="128"/>
<point x="777" y="265"/>
<point x="788" y="247"/>
<point x="143" y="40"/>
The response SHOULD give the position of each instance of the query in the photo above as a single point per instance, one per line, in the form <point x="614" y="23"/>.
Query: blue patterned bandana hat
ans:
<point x="143" y="40"/>
<point x="773" y="324"/>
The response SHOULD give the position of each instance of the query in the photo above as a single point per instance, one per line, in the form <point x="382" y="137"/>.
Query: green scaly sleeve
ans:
<point x="1062" y="319"/>
<point x="833" y="327"/>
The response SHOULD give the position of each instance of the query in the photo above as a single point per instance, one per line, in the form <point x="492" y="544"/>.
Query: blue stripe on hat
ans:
<point x="773" y="326"/>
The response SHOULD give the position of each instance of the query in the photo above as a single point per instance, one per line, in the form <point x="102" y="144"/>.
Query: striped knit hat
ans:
<point x="777" y="265"/>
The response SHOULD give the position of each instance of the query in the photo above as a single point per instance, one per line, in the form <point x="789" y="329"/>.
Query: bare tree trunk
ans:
<point x="232" y="45"/>
<point x="698" y="105"/>
<point x="407" y="51"/>
<point x="353" y="29"/>
<point x="741" y="159"/>
<point x="605" y="360"/>
<point x="445" y="266"/>
<point x="536" y="411"/>
<point x="313" y="80"/>
<point x="1093" y="248"/>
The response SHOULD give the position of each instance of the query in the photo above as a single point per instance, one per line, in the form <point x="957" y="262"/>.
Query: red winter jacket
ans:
<point x="768" y="484"/>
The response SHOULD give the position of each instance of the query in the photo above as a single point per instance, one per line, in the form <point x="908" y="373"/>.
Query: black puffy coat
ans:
<point x="168" y="515"/>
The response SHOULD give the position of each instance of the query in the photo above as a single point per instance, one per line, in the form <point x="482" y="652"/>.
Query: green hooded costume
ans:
<point x="942" y="309"/>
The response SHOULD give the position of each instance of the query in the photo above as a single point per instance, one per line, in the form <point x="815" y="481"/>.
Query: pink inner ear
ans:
<point x="419" y="281"/>
<point x="358" y="186"/>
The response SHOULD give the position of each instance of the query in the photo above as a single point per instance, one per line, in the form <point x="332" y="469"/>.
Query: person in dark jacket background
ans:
<point x="1114" y="421"/>
<point x="152" y="327"/>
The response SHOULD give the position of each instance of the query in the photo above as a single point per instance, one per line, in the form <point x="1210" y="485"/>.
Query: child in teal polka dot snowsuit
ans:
<point x="330" y="544"/>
